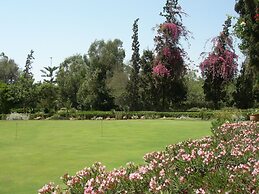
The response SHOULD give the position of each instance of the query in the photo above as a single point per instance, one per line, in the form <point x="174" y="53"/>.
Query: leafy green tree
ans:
<point x="47" y="97"/>
<point x="23" y="93"/>
<point x="104" y="59"/>
<point x="169" y="67"/>
<point x="94" y="93"/>
<point x="9" y="70"/>
<point x="70" y="76"/>
<point x="148" y="95"/>
<point x="195" y="94"/>
<point x="219" y="67"/>
<point x="107" y="56"/>
<point x="133" y="84"/>
<point x="5" y="105"/>
<point x="117" y="85"/>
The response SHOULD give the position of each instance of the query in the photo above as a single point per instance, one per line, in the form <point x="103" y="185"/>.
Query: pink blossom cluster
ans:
<point x="172" y="30"/>
<point x="227" y="162"/>
<point x="161" y="70"/>
<point x="222" y="61"/>
<point x="49" y="188"/>
<point x="172" y="55"/>
<point x="224" y="65"/>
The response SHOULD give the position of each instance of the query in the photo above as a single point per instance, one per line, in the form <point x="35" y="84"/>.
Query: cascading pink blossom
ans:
<point x="222" y="61"/>
<point x="161" y="70"/>
<point x="172" y="29"/>
<point x="167" y="52"/>
<point x="223" y="64"/>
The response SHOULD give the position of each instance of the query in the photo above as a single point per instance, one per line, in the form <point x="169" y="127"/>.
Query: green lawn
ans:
<point x="33" y="153"/>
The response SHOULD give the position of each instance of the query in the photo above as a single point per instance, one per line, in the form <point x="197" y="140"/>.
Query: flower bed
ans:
<point x="227" y="162"/>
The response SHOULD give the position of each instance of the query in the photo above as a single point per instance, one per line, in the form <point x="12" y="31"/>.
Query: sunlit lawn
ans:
<point x="33" y="153"/>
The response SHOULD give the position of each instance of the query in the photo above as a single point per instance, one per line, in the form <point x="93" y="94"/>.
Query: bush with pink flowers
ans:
<point x="227" y="162"/>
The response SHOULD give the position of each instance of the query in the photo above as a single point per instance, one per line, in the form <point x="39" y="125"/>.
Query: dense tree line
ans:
<point x="156" y="79"/>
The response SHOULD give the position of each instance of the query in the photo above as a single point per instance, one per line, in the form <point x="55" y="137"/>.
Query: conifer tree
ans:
<point x="133" y="84"/>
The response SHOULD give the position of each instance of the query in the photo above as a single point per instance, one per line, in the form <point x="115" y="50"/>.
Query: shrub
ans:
<point x="224" y="163"/>
<point x="2" y="116"/>
<point x="18" y="116"/>
<point x="227" y="115"/>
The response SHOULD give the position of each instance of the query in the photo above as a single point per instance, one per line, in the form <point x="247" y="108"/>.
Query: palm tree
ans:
<point x="49" y="73"/>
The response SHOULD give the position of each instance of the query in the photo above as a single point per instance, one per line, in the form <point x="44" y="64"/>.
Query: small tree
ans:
<point x="219" y="66"/>
<point x="169" y="67"/>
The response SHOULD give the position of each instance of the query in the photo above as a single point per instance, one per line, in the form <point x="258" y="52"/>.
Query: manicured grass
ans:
<point x="33" y="153"/>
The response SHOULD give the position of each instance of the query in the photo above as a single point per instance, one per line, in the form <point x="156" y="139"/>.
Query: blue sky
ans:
<point x="62" y="28"/>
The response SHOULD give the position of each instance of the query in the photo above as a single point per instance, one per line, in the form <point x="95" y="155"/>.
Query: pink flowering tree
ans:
<point x="219" y="66"/>
<point x="169" y="67"/>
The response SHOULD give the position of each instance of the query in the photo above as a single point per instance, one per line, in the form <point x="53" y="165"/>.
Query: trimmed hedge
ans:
<point x="228" y="114"/>
<point x="86" y="115"/>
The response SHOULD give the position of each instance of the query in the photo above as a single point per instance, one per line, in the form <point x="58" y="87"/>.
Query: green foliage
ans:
<point x="244" y="95"/>
<point x="9" y="70"/>
<point x="105" y="59"/>
<point x="48" y="72"/>
<point x="3" y="116"/>
<point x="133" y="98"/>
<point x="28" y="65"/>
<point x="70" y="76"/>
<point x="94" y="93"/>
<point x="195" y="94"/>
<point x="4" y="104"/>
<point x="87" y="115"/>
<point x="223" y="116"/>
<point x="247" y="29"/>
<point x="147" y="90"/>
<point x="117" y="86"/>
<point x="47" y="97"/>
<point x="24" y="93"/>
<point x="230" y="115"/>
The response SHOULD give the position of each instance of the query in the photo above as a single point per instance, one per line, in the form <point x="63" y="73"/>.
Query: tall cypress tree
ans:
<point x="247" y="29"/>
<point x="133" y="84"/>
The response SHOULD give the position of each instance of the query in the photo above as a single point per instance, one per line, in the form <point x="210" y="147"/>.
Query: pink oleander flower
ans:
<point x="162" y="173"/>
<point x="161" y="70"/>
<point x="256" y="169"/>
<point x="200" y="191"/>
<point x="153" y="184"/>
<point x="135" y="176"/>
<point x="181" y="179"/>
<point x="48" y="188"/>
